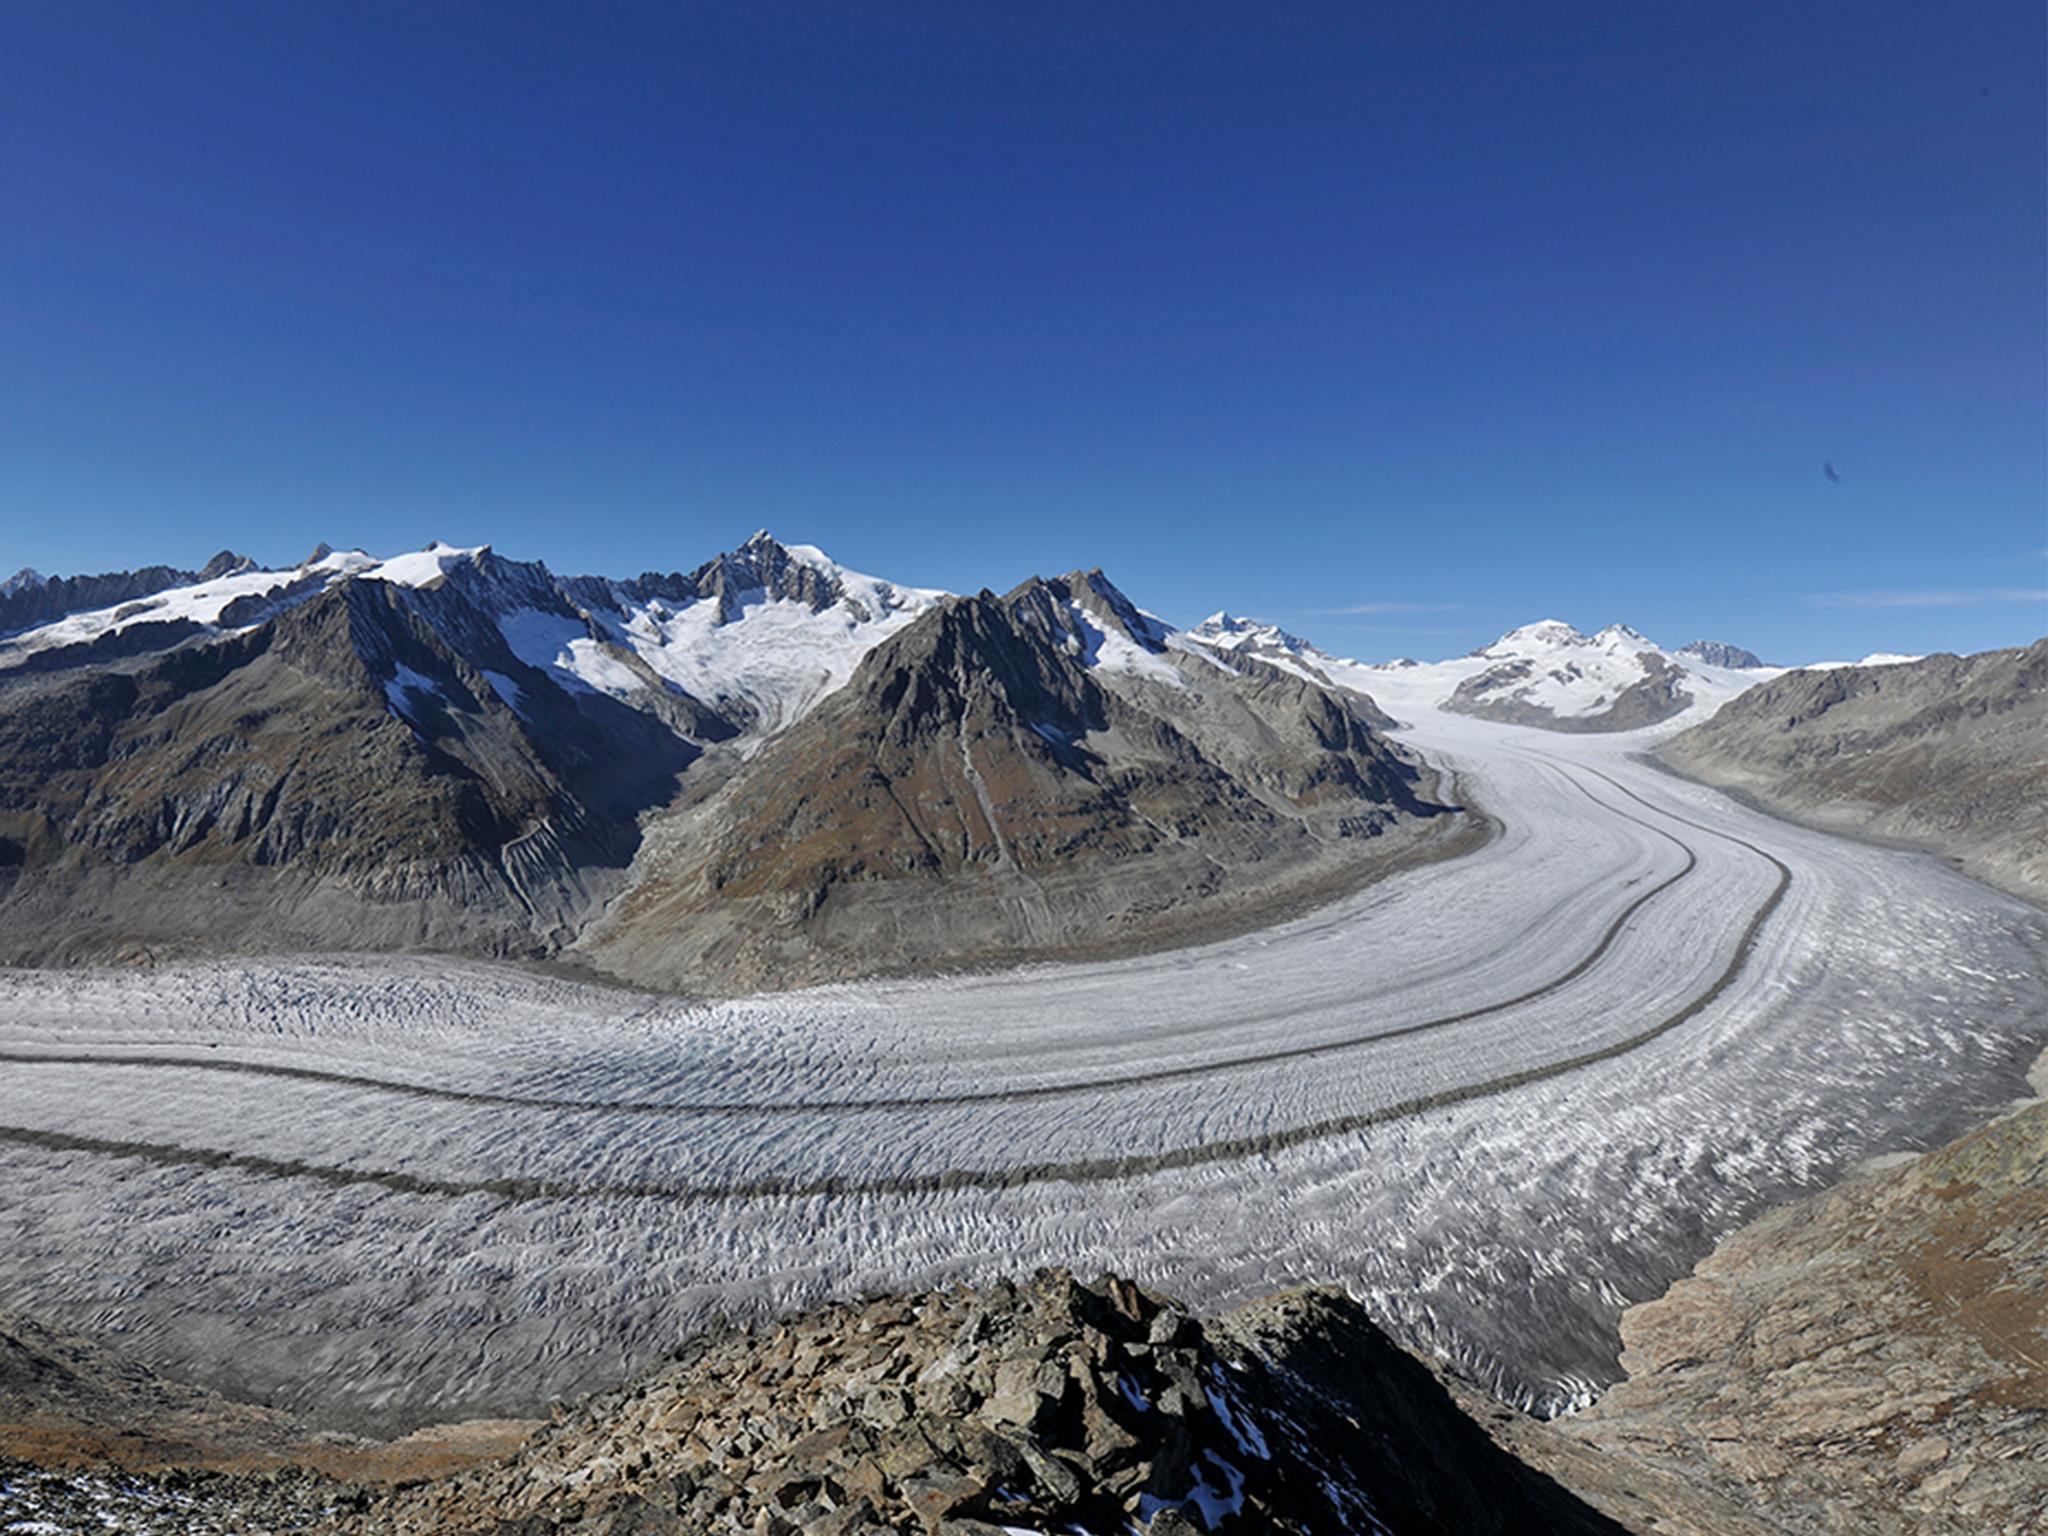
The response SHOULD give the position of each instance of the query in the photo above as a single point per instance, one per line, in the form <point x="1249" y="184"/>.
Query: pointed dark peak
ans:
<point x="766" y="567"/>
<point x="226" y="563"/>
<point x="1104" y="601"/>
<point x="1716" y="653"/>
<point x="1072" y="613"/>
<point x="320" y="552"/>
<point x="1044" y="608"/>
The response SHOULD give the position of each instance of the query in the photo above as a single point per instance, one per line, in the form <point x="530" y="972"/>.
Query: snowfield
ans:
<point x="1499" y="1098"/>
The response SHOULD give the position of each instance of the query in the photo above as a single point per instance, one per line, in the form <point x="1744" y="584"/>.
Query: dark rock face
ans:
<point x="1946" y="754"/>
<point x="1050" y="1406"/>
<point x="1716" y="654"/>
<point x="1008" y="775"/>
<point x="343" y="775"/>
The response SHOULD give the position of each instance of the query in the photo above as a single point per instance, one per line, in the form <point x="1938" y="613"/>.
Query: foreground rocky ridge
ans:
<point x="1870" y="1359"/>
<point x="1949" y="753"/>
<point x="1047" y="1406"/>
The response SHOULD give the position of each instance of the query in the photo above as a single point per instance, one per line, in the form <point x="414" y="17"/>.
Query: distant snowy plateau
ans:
<point x="1498" y="1096"/>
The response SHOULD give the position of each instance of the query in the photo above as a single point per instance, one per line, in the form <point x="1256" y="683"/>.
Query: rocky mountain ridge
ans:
<point x="1008" y="776"/>
<point x="1717" y="653"/>
<point x="454" y="750"/>
<point x="1946" y="753"/>
<point x="1874" y="1356"/>
<point x="1041" y="1406"/>
<point x="1546" y="674"/>
<point x="29" y="599"/>
<point x="1046" y="1406"/>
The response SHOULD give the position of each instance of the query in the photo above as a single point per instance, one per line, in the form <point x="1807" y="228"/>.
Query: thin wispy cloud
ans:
<point x="1894" y="597"/>
<point x="1400" y="629"/>
<point x="1354" y="609"/>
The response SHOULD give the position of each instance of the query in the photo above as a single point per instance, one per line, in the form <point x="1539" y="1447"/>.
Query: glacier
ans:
<point x="1497" y="1097"/>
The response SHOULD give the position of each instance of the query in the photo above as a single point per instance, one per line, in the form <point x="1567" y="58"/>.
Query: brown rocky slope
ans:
<point x="1872" y="1359"/>
<point x="1949" y="753"/>
<point x="341" y="776"/>
<point x="1012" y="776"/>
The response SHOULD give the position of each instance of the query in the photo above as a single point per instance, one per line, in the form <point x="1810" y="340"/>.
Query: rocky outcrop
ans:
<point x="761" y="567"/>
<point x="1717" y="653"/>
<point x="1873" y="1359"/>
<point x="1010" y="776"/>
<point x="1949" y="754"/>
<point x="1048" y="1406"/>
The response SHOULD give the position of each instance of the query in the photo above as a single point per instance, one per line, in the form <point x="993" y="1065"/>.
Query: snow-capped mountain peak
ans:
<point x="419" y="569"/>
<point x="23" y="580"/>
<point x="1226" y="635"/>
<point x="1226" y="632"/>
<point x="757" y="635"/>
<point x="766" y="629"/>
<point x="1620" y="635"/>
<point x="1543" y="635"/>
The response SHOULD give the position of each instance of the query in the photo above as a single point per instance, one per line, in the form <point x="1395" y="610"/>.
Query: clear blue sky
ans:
<point x="1460" y="315"/>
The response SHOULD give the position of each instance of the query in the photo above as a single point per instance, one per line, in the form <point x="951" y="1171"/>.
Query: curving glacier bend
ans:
<point x="1499" y="1097"/>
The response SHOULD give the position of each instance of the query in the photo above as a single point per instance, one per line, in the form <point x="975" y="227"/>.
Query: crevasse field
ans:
<point x="1499" y="1097"/>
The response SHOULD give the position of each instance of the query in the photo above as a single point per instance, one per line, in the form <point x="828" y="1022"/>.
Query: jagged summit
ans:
<point x="1227" y="631"/>
<point x="1238" y="640"/>
<point x="773" y="570"/>
<point x="1716" y="653"/>
<point x="226" y="563"/>
<point x="22" y="580"/>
